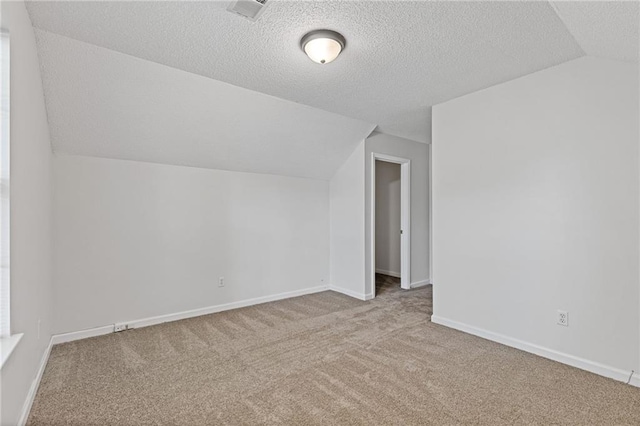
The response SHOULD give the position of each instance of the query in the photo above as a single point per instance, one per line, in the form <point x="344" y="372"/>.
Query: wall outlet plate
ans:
<point x="120" y="327"/>
<point x="563" y="318"/>
<point x="221" y="282"/>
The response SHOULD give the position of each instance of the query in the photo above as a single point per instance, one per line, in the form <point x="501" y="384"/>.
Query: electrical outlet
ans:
<point x="120" y="327"/>
<point x="221" y="282"/>
<point x="563" y="318"/>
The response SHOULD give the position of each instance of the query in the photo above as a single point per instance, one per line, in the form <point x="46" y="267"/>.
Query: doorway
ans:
<point x="390" y="220"/>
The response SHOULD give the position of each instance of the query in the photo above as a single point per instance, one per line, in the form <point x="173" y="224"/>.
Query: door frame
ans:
<point x="405" y="218"/>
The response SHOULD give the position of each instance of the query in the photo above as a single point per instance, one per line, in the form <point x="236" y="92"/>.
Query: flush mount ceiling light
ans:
<point x="322" y="46"/>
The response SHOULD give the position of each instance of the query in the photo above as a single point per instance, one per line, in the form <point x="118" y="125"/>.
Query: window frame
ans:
<point x="8" y="341"/>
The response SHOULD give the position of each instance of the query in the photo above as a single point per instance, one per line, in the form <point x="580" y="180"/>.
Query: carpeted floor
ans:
<point x="319" y="359"/>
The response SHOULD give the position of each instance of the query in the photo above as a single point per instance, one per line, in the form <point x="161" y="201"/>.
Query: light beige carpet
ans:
<point x="319" y="359"/>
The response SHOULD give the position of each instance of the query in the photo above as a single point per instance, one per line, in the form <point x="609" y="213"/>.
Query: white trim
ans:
<point x="5" y="190"/>
<point x="145" y="322"/>
<point x="7" y="345"/>
<point x="81" y="334"/>
<point x="405" y="218"/>
<point x="351" y="293"/>
<point x="390" y="273"/>
<point x="33" y="390"/>
<point x="430" y="213"/>
<point x="574" y="361"/>
<point x="419" y="284"/>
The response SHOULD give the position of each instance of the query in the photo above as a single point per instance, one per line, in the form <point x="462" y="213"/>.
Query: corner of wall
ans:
<point x="347" y="224"/>
<point x="31" y="219"/>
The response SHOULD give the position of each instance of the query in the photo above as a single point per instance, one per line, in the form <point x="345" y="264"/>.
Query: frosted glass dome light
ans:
<point x="322" y="46"/>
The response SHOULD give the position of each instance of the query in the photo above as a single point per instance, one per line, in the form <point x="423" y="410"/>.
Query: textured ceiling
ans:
<point x="606" y="29"/>
<point x="106" y="104"/>
<point x="401" y="57"/>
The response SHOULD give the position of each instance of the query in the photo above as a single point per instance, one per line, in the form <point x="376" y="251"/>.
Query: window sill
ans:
<point x="7" y="345"/>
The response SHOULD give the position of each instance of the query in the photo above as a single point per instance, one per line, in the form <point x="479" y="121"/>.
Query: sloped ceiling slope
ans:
<point x="401" y="56"/>
<point x="606" y="29"/>
<point x="107" y="104"/>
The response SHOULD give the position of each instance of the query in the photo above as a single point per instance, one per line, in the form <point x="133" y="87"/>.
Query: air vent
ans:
<point x="250" y="9"/>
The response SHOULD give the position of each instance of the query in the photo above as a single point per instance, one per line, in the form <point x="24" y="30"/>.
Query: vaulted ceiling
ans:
<point x="401" y="58"/>
<point x="608" y="29"/>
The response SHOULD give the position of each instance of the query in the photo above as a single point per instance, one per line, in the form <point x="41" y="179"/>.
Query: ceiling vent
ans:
<point x="250" y="9"/>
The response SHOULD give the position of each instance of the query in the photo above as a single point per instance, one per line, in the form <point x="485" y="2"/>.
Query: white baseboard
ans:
<point x="145" y="322"/>
<point x="574" y="361"/>
<point x="31" y="395"/>
<point x="419" y="284"/>
<point x="390" y="273"/>
<point x="351" y="293"/>
<point x="397" y="275"/>
<point x="81" y="334"/>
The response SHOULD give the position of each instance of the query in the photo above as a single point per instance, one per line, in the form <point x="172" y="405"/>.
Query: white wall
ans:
<point x="347" y="226"/>
<point x="135" y="240"/>
<point x="418" y="153"/>
<point x="535" y="195"/>
<point x="388" y="218"/>
<point x="31" y="289"/>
